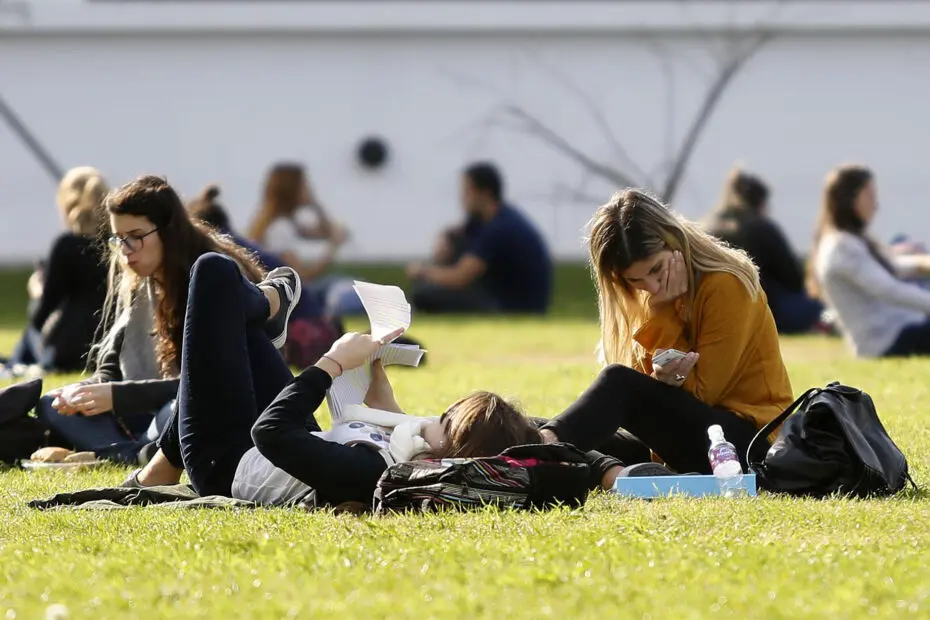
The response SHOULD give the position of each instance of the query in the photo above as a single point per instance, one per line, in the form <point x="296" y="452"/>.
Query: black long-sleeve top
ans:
<point x="74" y="289"/>
<point x="283" y="435"/>
<point x="780" y="270"/>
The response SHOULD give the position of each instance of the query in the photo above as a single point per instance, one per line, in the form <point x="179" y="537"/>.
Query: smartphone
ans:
<point x="669" y="355"/>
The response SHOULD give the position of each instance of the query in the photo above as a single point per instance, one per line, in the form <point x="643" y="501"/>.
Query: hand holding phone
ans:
<point x="673" y="366"/>
<point x="666" y="356"/>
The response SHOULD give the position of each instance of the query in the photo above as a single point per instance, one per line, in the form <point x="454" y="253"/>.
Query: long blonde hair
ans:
<point x="631" y="227"/>
<point x="80" y="199"/>
<point x="282" y="196"/>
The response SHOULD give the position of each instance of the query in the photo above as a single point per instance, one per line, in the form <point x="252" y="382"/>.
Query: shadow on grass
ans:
<point x="573" y="296"/>
<point x="13" y="296"/>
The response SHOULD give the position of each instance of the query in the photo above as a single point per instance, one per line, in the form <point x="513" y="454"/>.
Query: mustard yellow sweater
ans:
<point x="740" y="368"/>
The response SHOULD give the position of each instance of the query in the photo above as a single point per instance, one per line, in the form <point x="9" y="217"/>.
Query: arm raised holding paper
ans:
<point x="380" y="393"/>
<point x="351" y="351"/>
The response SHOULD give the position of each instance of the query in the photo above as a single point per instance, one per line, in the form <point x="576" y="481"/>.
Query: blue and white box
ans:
<point x="688" y="486"/>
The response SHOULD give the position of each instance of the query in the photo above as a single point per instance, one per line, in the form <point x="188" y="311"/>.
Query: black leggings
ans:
<point x="672" y="422"/>
<point x="913" y="340"/>
<point x="621" y="445"/>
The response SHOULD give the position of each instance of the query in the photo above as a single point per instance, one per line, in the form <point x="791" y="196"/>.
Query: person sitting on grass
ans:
<point x="743" y="220"/>
<point x="245" y="427"/>
<point x="312" y="328"/>
<point x="879" y="313"/>
<point x="152" y="248"/>
<point x="496" y="262"/>
<point x="69" y="289"/>
<point x="292" y="224"/>
<point x="663" y="284"/>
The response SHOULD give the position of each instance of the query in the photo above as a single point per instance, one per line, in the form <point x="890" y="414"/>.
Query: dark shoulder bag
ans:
<point x="20" y="433"/>
<point x="832" y="442"/>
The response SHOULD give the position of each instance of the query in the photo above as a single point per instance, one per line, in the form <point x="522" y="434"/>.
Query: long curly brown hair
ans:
<point x="184" y="240"/>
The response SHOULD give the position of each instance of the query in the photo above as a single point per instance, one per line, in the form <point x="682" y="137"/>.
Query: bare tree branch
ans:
<point x="738" y="47"/>
<point x="470" y="81"/>
<point x="564" y="193"/>
<point x="528" y="124"/>
<point x="597" y="114"/>
<point x="17" y="126"/>
<point x="706" y="110"/>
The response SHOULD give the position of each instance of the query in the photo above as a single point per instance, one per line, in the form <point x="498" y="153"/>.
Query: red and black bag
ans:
<point x="525" y="477"/>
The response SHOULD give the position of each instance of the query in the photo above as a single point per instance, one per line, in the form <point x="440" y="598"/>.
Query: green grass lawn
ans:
<point x="677" y="558"/>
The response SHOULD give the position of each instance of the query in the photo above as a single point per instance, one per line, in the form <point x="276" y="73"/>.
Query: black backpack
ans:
<point x="20" y="434"/>
<point x="523" y="477"/>
<point x="832" y="442"/>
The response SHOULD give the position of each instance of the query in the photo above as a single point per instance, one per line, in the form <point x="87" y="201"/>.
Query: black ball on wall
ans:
<point x="373" y="152"/>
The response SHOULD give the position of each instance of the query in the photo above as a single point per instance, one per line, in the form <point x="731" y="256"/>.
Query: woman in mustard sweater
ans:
<point x="663" y="284"/>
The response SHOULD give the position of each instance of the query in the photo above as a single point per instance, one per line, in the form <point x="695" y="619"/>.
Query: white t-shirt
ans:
<point x="872" y="305"/>
<point x="282" y="236"/>
<point x="396" y="437"/>
<point x="258" y="480"/>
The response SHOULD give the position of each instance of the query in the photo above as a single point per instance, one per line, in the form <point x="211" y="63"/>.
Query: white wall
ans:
<point x="213" y="99"/>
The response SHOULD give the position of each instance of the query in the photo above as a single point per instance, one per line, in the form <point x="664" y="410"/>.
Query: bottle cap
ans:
<point x="715" y="433"/>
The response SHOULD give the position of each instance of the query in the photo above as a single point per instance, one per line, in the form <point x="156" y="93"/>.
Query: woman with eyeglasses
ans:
<point x="69" y="287"/>
<point x="153" y="246"/>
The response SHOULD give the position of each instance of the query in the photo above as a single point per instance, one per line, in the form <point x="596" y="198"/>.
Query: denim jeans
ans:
<point x="433" y="298"/>
<point x="795" y="313"/>
<point x="102" y="434"/>
<point x="334" y="296"/>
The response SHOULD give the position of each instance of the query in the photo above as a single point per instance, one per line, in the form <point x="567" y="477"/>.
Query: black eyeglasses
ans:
<point x="132" y="242"/>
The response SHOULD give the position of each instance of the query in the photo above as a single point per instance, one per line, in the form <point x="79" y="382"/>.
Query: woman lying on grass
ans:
<point x="231" y="373"/>
<point x="665" y="284"/>
<point x="152" y="248"/>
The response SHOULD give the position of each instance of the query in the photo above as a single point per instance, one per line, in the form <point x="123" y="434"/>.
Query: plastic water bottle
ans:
<point x="725" y="463"/>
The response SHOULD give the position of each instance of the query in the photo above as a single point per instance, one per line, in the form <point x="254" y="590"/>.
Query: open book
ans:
<point x="387" y="310"/>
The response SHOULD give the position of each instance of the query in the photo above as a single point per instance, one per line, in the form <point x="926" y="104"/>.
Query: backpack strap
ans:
<point x="755" y="445"/>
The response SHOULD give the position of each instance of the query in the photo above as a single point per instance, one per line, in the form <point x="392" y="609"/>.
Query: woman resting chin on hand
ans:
<point x="664" y="284"/>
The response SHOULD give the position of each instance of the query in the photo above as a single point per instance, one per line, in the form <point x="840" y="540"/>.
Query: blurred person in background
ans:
<point x="496" y="262"/>
<point x="69" y="288"/>
<point x="879" y="313"/>
<point x="312" y="328"/>
<point x="288" y="223"/>
<point x="742" y="220"/>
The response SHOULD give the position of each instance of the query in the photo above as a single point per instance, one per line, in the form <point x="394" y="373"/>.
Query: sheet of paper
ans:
<point x="351" y="386"/>
<point x="386" y="306"/>
<point x="387" y="310"/>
